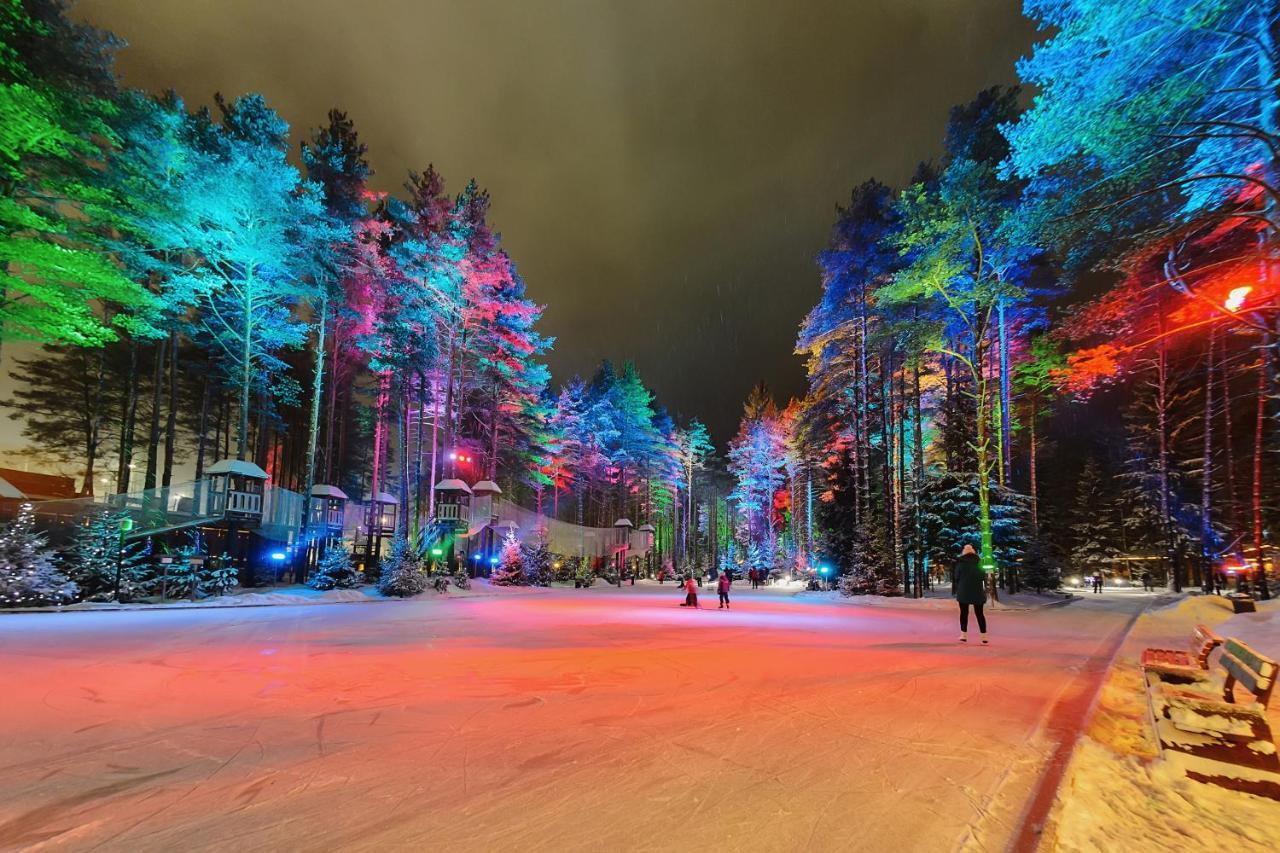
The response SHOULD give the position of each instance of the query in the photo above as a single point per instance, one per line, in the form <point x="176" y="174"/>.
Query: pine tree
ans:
<point x="217" y="578"/>
<point x="537" y="562"/>
<point x="180" y="578"/>
<point x="1094" y="527"/>
<point x="1040" y="567"/>
<point x="97" y="554"/>
<point x="511" y="565"/>
<point x="29" y="574"/>
<point x="868" y="572"/>
<point x="402" y="575"/>
<point x="335" y="570"/>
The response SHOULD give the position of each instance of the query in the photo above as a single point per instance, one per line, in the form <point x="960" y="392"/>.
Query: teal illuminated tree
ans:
<point x="694" y="450"/>
<point x="256" y="232"/>
<point x="335" y="162"/>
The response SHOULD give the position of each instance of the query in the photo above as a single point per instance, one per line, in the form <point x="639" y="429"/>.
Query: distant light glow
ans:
<point x="436" y="552"/>
<point x="277" y="555"/>
<point x="493" y="560"/>
<point x="1236" y="298"/>
<point x="453" y="455"/>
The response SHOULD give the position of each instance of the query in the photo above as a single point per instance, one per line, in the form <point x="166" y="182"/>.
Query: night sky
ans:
<point x="662" y="171"/>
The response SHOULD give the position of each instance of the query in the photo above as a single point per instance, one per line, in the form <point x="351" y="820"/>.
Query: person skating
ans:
<point x="1097" y="582"/>
<point x="690" y="592"/>
<point x="969" y="587"/>
<point x="722" y="587"/>
<point x="1146" y="582"/>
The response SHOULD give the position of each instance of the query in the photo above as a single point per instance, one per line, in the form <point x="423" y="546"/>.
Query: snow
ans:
<point x="1116" y="802"/>
<point x="538" y="720"/>
<point x="291" y="595"/>
<point x="1119" y="794"/>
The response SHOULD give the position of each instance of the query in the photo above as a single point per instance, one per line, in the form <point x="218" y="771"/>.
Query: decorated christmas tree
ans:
<point x="537" y="563"/>
<point x="335" y="570"/>
<point x="402" y="573"/>
<point x="29" y="574"/>
<point x="97" y="554"/>
<point x="511" y="566"/>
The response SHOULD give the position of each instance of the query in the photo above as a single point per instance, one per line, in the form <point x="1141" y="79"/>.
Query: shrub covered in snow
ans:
<point x="868" y="573"/>
<point x="217" y="577"/>
<point x="402" y="573"/>
<point x="537" y="563"/>
<point x="565" y="569"/>
<point x="335" y="570"/>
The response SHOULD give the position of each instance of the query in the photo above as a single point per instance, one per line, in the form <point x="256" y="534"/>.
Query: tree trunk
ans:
<point x="313" y="435"/>
<point x="1206" y="480"/>
<point x="153" y="438"/>
<point x="128" y="422"/>
<point x="1006" y="403"/>
<point x="171" y="423"/>
<point x="1259" y="445"/>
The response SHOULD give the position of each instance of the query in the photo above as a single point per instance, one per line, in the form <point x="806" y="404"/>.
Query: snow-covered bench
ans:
<point x="1176" y="666"/>
<point x="1213" y="737"/>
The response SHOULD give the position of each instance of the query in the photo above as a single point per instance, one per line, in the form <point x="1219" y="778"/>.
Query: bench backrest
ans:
<point x="1254" y="671"/>
<point x="1203" y="642"/>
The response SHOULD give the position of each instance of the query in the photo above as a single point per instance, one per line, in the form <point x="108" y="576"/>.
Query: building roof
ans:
<point x="385" y="498"/>
<point x="647" y="528"/>
<point x="623" y="522"/>
<point x="237" y="466"/>
<point x="320" y="490"/>
<point x="36" y="487"/>
<point x="452" y="485"/>
<point x="486" y="487"/>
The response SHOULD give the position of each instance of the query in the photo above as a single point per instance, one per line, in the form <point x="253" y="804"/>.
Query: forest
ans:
<point x="1056" y="342"/>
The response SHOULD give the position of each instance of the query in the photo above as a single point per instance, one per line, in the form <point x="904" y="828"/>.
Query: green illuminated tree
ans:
<point x="58" y="282"/>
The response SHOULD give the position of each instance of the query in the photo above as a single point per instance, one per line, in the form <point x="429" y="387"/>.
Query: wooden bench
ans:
<point x="1175" y="666"/>
<point x="1214" y="738"/>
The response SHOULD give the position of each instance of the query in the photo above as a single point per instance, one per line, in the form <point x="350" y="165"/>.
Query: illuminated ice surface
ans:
<point x="542" y="720"/>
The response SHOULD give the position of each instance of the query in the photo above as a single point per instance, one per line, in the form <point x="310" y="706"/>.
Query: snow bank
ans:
<point x="1111" y="802"/>
<point x="1117" y="794"/>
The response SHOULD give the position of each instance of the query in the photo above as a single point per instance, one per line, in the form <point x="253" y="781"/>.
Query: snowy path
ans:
<point x="598" y="720"/>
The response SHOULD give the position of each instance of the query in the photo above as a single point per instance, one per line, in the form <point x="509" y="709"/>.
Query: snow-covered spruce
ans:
<point x="29" y="574"/>
<point x="537" y="563"/>
<point x="402" y="573"/>
<point x="335" y="570"/>
<point x="98" y="556"/>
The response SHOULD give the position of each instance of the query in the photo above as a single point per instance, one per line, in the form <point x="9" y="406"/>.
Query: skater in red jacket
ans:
<point x="691" y="593"/>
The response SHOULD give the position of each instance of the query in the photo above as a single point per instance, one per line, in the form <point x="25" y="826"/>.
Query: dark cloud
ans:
<point x="663" y="171"/>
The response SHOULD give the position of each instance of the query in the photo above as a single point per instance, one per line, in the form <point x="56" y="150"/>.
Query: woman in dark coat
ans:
<point x="968" y="585"/>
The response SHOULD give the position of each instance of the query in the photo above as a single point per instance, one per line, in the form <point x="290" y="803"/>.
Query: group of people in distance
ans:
<point x="968" y="587"/>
